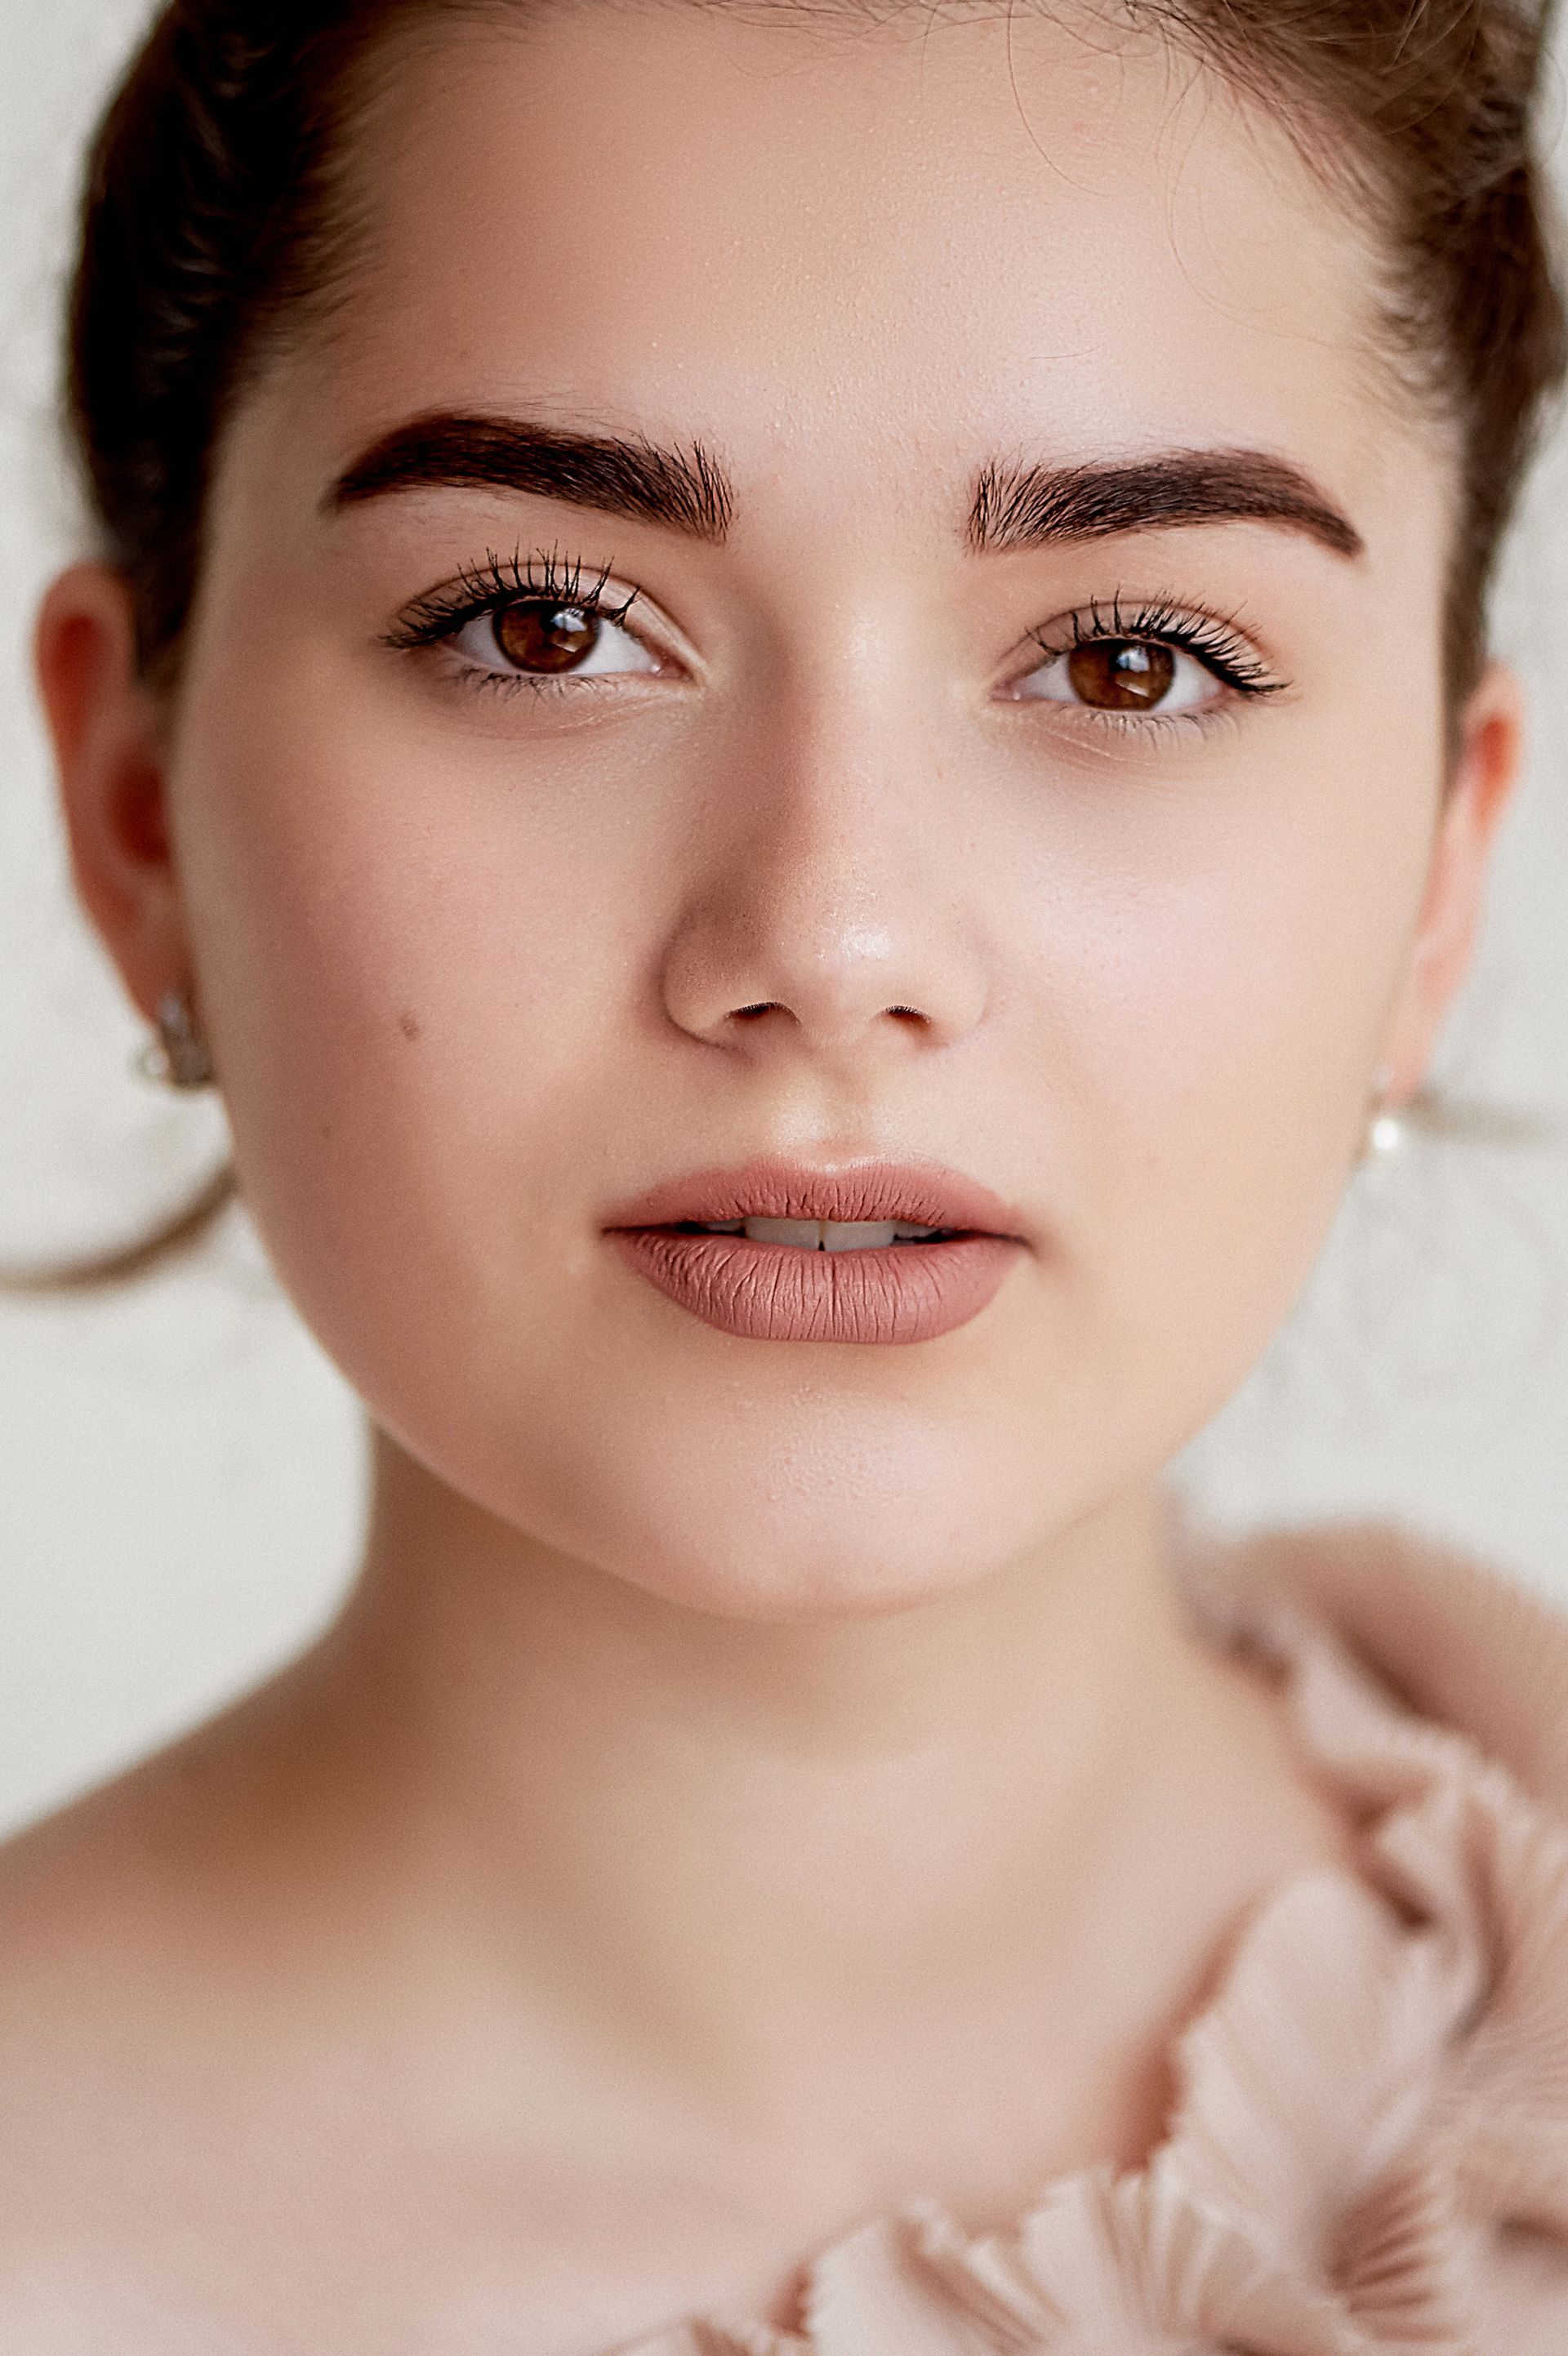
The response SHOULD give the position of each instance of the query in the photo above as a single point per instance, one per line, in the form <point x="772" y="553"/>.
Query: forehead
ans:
<point x="870" y="248"/>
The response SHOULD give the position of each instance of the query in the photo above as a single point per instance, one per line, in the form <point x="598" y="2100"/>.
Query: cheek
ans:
<point x="406" y="962"/>
<point x="1217" y="977"/>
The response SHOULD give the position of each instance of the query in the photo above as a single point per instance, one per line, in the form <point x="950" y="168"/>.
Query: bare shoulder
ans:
<point x="82" y="1895"/>
<point x="82" y="1954"/>
<point x="228" y="2126"/>
<point x="121" y="1883"/>
<point x="130" y="1981"/>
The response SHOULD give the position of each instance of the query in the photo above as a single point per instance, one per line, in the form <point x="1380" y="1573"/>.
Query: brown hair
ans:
<point x="209" y="218"/>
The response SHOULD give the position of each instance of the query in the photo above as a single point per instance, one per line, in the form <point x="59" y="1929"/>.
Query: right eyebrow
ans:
<point x="685" y="491"/>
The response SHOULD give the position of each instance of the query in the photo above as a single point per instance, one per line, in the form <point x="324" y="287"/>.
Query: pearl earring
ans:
<point x="180" y="1058"/>
<point x="1388" y="1126"/>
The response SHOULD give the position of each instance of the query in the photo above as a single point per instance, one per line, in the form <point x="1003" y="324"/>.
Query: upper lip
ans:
<point x="913" y="1194"/>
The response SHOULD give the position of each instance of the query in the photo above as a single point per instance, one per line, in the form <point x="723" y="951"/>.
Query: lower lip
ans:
<point x="774" y="1292"/>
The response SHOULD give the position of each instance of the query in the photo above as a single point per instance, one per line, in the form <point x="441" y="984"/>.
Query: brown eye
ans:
<point x="1121" y="674"/>
<point x="542" y="637"/>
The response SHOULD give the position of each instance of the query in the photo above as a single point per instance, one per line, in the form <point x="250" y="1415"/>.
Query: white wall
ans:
<point x="180" y="1471"/>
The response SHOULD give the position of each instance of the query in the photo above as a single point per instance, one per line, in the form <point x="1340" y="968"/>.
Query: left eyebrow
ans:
<point x="1045" y="507"/>
<point x="685" y="491"/>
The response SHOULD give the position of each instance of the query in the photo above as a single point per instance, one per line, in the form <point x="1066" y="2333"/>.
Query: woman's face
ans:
<point x="958" y="789"/>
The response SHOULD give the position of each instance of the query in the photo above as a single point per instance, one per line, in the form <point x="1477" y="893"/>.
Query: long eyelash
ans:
<point x="500" y="582"/>
<point x="1212" y="637"/>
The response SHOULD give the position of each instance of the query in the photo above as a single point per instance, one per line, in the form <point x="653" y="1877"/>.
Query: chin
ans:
<point x="785" y="1542"/>
<point x="796" y="1585"/>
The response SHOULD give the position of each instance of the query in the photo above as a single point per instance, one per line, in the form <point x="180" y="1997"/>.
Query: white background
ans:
<point x="181" y="1473"/>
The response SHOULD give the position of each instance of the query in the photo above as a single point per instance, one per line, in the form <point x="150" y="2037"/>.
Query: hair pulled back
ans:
<point x="210" y="210"/>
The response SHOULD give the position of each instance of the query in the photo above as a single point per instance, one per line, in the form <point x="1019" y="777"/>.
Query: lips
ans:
<point x="767" y="1290"/>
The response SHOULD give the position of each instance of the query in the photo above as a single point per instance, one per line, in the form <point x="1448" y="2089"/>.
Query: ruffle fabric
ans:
<point x="1367" y="2154"/>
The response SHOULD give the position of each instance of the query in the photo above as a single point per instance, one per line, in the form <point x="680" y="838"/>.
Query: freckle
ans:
<point x="409" y="1025"/>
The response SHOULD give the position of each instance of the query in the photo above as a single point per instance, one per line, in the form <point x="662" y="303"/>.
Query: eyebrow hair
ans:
<point x="1043" y="507"/>
<point x="1014" y="506"/>
<point x="685" y="491"/>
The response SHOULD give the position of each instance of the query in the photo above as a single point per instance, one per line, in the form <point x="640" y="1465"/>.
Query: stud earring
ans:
<point x="1388" y="1125"/>
<point x="1386" y="1133"/>
<point x="180" y="1058"/>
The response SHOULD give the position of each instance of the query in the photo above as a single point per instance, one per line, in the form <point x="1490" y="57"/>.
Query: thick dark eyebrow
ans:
<point x="684" y="490"/>
<point x="1014" y="506"/>
<point x="1042" y="507"/>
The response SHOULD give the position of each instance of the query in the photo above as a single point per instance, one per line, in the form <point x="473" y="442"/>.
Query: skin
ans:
<point x="754" y="1784"/>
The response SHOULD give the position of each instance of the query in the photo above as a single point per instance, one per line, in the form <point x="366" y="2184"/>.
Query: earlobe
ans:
<point x="104" y="721"/>
<point x="1486" y="765"/>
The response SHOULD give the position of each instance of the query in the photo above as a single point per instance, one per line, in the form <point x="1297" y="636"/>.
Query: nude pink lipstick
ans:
<point x="767" y="1290"/>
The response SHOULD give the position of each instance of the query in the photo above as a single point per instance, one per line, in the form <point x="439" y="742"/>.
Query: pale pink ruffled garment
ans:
<point x="1369" y="2152"/>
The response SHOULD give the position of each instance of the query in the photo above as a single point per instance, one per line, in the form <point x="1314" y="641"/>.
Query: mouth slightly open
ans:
<point x="775" y="1251"/>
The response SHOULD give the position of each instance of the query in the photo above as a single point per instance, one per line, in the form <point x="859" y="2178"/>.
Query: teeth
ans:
<point x="825" y="1234"/>
<point x="858" y="1237"/>
<point x="805" y="1235"/>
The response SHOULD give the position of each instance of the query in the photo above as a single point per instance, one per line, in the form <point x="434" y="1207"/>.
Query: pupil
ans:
<point x="542" y="637"/>
<point x="1123" y="674"/>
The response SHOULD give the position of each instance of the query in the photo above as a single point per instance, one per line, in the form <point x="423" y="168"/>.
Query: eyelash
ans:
<point x="1214" y="639"/>
<point x="443" y="614"/>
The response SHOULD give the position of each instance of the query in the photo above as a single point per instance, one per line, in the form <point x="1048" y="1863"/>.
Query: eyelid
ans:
<point x="1221" y="641"/>
<point x="440" y="614"/>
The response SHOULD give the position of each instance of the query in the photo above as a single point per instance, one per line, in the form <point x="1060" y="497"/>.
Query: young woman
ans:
<point x="795" y="700"/>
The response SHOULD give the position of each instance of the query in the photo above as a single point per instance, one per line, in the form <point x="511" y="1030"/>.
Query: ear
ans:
<point x="1485" y="770"/>
<point x="106" y="725"/>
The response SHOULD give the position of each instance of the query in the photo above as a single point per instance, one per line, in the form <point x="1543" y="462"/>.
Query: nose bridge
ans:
<point x="823" y="898"/>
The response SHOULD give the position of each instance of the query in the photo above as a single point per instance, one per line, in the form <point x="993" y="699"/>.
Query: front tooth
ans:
<point x="823" y="1235"/>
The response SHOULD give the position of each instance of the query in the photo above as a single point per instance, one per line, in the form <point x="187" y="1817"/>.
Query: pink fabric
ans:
<point x="1369" y="2152"/>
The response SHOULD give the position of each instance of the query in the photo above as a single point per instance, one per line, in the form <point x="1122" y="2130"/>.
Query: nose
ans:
<point x="826" y="916"/>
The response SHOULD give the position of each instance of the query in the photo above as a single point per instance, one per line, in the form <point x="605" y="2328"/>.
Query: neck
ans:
<point x="714" y="1824"/>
